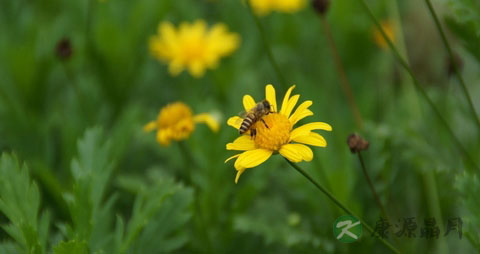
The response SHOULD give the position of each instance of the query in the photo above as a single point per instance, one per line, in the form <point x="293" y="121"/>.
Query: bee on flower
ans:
<point x="176" y="122"/>
<point x="192" y="46"/>
<point x="274" y="132"/>
<point x="265" y="7"/>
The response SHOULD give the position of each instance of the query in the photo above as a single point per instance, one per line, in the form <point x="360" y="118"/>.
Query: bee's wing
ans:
<point x="242" y="115"/>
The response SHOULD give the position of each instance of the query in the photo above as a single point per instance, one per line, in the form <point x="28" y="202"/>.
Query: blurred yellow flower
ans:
<point x="192" y="46"/>
<point x="387" y="26"/>
<point x="176" y="122"/>
<point x="264" y="7"/>
<point x="279" y="136"/>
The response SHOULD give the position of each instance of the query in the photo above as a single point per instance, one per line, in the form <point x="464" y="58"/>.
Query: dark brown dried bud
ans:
<point x="64" y="49"/>
<point x="321" y="6"/>
<point x="357" y="143"/>
<point x="450" y="64"/>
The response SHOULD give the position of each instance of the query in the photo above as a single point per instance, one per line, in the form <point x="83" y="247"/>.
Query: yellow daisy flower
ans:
<point x="387" y="26"/>
<point x="176" y="122"/>
<point x="280" y="136"/>
<point x="264" y="7"/>
<point x="194" y="46"/>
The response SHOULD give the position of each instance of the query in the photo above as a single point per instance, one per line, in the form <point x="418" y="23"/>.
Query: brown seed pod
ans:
<point x="357" y="143"/>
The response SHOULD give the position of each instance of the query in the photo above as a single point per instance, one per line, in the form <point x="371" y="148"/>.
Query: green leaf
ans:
<point x="91" y="170"/>
<point x="465" y="23"/>
<point x="20" y="203"/>
<point x="159" y="214"/>
<point x="469" y="186"/>
<point x="9" y="248"/>
<point x="71" y="247"/>
<point x="270" y="219"/>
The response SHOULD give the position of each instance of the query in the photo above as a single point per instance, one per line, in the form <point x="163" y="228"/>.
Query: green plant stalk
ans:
<point x="268" y="49"/>
<point x="344" y="83"/>
<point x="454" y="64"/>
<point x="433" y="201"/>
<point x="339" y="204"/>
<point x="372" y="187"/>
<point x="190" y="162"/>
<point x="405" y="65"/>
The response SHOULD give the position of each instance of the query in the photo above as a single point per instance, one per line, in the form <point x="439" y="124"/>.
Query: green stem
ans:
<point x="339" y="204"/>
<point x="454" y="64"/>
<point x="189" y="164"/>
<point x="268" y="49"/>
<point x="433" y="202"/>
<point x="422" y="91"/>
<point x="372" y="187"/>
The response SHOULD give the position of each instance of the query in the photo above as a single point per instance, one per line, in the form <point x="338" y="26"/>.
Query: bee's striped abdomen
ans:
<point x="247" y="122"/>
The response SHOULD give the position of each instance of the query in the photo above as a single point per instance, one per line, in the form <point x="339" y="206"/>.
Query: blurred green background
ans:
<point x="97" y="183"/>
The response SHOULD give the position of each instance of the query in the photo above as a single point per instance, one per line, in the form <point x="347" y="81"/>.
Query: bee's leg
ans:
<point x="263" y="121"/>
<point x="253" y="133"/>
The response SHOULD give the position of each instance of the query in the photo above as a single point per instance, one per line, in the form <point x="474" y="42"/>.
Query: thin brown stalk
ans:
<point x="372" y="187"/>
<point x="344" y="83"/>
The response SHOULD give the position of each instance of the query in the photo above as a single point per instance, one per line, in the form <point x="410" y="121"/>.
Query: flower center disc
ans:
<point x="277" y="133"/>
<point x="177" y="119"/>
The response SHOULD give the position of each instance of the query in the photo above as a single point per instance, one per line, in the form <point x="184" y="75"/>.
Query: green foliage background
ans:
<point x="78" y="174"/>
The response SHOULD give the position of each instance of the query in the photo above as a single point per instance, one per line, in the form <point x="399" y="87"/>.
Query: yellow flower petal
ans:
<point x="150" y="126"/>
<point x="286" y="99"/>
<point x="207" y="119"/>
<point x="271" y="97"/>
<point x="306" y="128"/>
<point x="242" y="143"/>
<point x="296" y="152"/>
<point x="235" y="122"/>
<point x="248" y="102"/>
<point x="302" y="115"/>
<point x="239" y="173"/>
<point x="175" y="67"/>
<point x="232" y="157"/>
<point x="312" y="138"/>
<point x="192" y="46"/>
<point x="197" y="69"/>
<point x="198" y="27"/>
<point x="162" y="137"/>
<point x="252" y="158"/>
<point x="295" y="117"/>
<point x="291" y="104"/>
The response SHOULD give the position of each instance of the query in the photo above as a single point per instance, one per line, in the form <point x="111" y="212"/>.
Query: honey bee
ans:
<point x="255" y="114"/>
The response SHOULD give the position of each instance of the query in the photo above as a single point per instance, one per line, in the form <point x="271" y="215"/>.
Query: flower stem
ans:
<point x="422" y="91"/>
<point x="344" y="83"/>
<point x="267" y="47"/>
<point x="370" y="184"/>
<point x="189" y="162"/>
<point x="454" y="63"/>
<point x="339" y="204"/>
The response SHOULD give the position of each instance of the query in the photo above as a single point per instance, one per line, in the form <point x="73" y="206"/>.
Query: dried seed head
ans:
<point x="357" y="143"/>
<point x="64" y="49"/>
<point x="321" y="6"/>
